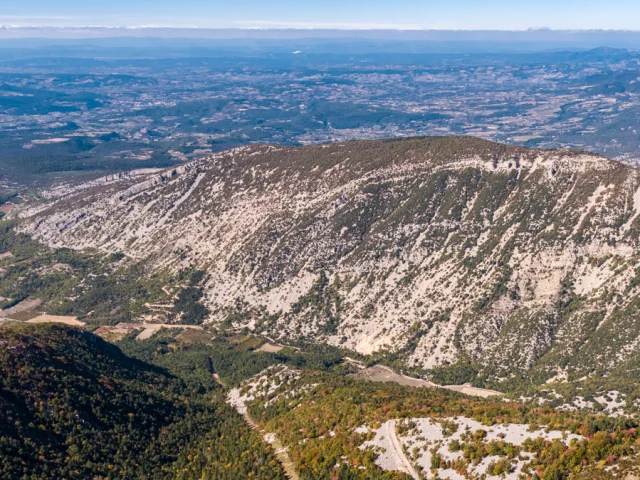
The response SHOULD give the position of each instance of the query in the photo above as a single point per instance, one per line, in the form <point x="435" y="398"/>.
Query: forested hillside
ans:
<point x="74" y="406"/>
<point x="340" y="427"/>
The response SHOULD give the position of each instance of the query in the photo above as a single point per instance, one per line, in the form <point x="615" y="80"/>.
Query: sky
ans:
<point x="341" y="14"/>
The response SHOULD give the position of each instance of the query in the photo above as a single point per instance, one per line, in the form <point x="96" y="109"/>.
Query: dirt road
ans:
<point x="400" y="452"/>
<point x="279" y="449"/>
<point x="380" y="373"/>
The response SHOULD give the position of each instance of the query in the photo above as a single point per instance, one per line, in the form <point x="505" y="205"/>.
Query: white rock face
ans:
<point x="266" y="383"/>
<point x="509" y="255"/>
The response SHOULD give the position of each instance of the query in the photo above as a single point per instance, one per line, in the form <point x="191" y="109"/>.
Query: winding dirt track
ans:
<point x="400" y="452"/>
<point x="380" y="373"/>
<point x="279" y="449"/>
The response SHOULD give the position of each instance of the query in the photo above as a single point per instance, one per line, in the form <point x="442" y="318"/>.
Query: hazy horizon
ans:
<point x="331" y="14"/>
<point x="320" y="40"/>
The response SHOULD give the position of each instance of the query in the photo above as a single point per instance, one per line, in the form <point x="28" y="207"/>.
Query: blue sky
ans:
<point x="436" y="14"/>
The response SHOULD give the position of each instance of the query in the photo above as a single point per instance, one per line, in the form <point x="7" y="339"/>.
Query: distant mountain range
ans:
<point x="417" y="41"/>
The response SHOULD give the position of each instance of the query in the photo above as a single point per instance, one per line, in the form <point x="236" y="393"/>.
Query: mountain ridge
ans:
<point x="439" y="249"/>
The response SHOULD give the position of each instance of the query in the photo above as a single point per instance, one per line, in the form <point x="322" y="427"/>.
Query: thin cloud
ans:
<point x="35" y="17"/>
<point x="266" y="24"/>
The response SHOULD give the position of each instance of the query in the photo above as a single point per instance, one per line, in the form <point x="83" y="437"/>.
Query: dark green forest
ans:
<point x="74" y="406"/>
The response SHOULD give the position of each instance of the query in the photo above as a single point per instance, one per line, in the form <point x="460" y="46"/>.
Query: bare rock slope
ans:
<point x="437" y="248"/>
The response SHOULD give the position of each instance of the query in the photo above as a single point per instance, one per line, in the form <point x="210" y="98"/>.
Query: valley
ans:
<point x="82" y="112"/>
<point x="303" y="408"/>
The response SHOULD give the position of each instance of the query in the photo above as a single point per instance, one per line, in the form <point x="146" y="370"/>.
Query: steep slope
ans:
<point x="437" y="248"/>
<point x="74" y="406"/>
